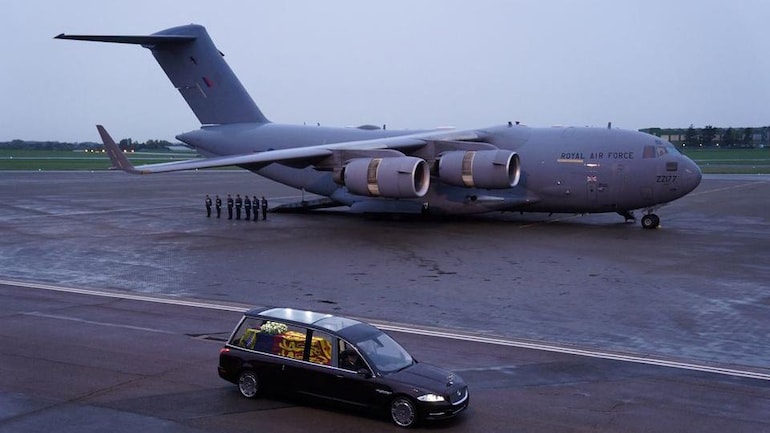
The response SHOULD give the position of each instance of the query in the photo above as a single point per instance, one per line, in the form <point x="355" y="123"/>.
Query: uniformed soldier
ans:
<point x="208" y="206"/>
<point x="238" y="206"/>
<point x="247" y="206"/>
<point x="229" y="207"/>
<point x="264" y="208"/>
<point x="256" y="206"/>
<point x="218" y="204"/>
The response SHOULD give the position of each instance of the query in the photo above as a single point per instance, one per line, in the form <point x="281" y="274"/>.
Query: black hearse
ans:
<point x="339" y="359"/>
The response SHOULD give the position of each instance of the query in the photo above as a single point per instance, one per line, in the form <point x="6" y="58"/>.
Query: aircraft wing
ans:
<point x="296" y="157"/>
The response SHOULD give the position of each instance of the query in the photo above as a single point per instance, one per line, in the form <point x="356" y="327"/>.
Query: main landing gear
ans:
<point x="649" y="221"/>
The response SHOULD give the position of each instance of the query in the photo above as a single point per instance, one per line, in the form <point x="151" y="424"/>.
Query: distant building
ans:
<point x="752" y="136"/>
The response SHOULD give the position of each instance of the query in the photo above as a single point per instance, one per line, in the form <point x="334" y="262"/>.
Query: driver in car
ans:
<point x="349" y="360"/>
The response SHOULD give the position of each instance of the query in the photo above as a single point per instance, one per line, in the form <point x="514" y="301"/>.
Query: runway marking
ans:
<point x="129" y="296"/>
<point x="546" y="347"/>
<point x="727" y="188"/>
<point x="411" y="329"/>
<point x="91" y="322"/>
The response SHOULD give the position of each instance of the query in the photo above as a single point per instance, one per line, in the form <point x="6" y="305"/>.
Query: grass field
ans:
<point x="738" y="161"/>
<point x="46" y="160"/>
<point x="743" y="161"/>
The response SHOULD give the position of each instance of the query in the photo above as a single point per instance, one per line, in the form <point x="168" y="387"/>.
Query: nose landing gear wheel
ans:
<point x="650" y="221"/>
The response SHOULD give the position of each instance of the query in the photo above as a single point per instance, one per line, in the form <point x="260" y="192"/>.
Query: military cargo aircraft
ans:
<point x="509" y="167"/>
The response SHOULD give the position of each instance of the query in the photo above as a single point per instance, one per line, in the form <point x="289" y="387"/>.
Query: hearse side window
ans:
<point x="344" y="359"/>
<point x="321" y="348"/>
<point x="239" y="338"/>
<point x="271" y="336"/>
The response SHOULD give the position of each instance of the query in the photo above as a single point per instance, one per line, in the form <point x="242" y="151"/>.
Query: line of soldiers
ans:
<point x="238" y="203"/>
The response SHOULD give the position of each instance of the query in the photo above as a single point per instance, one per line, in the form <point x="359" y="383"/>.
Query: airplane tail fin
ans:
<point x="198" y="70"/>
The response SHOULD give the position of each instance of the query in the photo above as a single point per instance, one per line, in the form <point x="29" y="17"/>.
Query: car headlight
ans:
<point x="431" y="398"/>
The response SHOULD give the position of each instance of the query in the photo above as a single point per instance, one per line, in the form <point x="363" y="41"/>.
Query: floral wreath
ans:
<point x="273" y="328"/>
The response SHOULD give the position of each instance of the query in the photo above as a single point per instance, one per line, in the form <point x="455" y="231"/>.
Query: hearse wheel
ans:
<point x="248" y="384"/>
<point x="650" y="221"/>
<point x="403" y="412"/>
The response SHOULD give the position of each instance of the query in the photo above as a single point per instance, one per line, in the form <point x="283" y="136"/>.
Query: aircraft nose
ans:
<point x="691" y="174"/>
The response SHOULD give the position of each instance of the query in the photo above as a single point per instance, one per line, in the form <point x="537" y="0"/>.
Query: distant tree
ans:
<point x="153" y="145"/>
<point x="729" y="137"/>
<point x="707" y="135"/>
<point x="748" y="136"/>
<point x="691" y="137"/>
<point x="126" y="144"/>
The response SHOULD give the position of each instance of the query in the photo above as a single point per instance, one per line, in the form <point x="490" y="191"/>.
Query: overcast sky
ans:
<point x="405" y="63"/>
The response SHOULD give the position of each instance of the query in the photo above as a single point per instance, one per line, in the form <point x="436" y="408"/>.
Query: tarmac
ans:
<point x="693" y="292"/>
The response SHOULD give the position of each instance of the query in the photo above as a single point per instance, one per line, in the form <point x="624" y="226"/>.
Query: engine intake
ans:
<point x="489" y="169"/>
<point x="393" y="177"/>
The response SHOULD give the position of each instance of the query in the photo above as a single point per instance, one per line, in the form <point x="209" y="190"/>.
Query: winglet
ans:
<point x="119" y="160"/>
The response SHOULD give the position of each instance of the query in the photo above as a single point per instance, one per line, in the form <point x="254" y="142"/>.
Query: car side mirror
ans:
<point x="364" y="372"/>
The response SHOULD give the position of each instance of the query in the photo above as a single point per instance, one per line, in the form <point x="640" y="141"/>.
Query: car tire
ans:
<point x="403" y="412"/>
<point x="248" y="384"/>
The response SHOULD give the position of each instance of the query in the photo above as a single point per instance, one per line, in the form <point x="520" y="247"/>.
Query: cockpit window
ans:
<point x="658" y="151"/>
<point x="649" y="152"/>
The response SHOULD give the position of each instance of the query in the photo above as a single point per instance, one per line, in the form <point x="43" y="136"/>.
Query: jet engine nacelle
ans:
<point x="393" y="177"/>
<point x="490" y="169"/>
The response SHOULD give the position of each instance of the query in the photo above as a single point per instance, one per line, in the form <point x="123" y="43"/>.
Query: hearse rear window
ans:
<point x="282" y="339"/>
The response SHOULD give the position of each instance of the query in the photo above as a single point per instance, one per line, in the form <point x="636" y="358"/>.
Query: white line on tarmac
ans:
<point x="417" y="330"/>
<point x="129" y="296"/>
<point x="91" y="322"/>
<point x="576" y="351"/>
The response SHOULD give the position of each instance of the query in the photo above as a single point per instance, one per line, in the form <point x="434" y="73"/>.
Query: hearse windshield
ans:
<point x="383" y="352"/>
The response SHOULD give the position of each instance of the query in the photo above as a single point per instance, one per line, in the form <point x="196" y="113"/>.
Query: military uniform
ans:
<point x="238" y="206"/>
<point x="247" y="207"/>
<point x="218" y="203"/>
<point x="229" y="207"/>
<point x="264" y="208"/>
<point x="256" y="207"/>
<point x="208" y="206"/>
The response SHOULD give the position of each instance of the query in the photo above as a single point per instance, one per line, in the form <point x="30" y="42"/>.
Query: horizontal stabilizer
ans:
<point x="148" y="41"/>
<point x="197" y="70"/>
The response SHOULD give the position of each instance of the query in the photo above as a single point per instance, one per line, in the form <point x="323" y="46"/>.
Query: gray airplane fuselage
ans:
<point x="563" y="169"/>
<point x="501" y="168"/>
